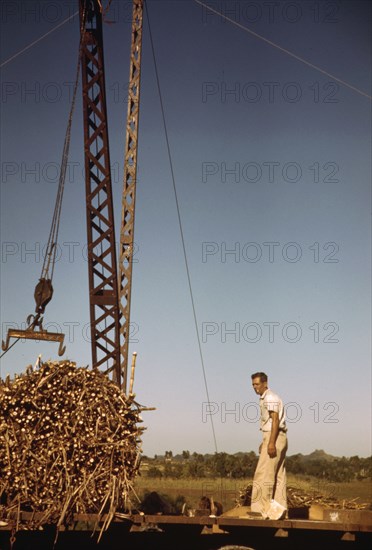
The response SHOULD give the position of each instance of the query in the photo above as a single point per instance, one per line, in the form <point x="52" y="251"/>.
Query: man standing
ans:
<point x="270" y="482"/>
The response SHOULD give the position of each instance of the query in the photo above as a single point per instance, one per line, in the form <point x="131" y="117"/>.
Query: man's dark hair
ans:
<point x="261" y="375"/>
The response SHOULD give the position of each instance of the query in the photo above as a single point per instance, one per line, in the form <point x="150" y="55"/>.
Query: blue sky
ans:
<point x="272" y="169"/>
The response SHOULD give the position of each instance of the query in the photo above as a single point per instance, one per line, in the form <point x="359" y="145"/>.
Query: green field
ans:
<point x="226" y="490"/>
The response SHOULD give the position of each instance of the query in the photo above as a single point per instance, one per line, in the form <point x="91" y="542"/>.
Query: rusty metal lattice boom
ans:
<point x="102" y="262"/>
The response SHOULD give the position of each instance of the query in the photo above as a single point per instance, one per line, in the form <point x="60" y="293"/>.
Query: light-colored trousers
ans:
<point x="270" y="479"/>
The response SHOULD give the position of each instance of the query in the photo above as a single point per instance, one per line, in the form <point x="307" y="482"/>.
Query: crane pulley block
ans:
<point x="43" y="294"/>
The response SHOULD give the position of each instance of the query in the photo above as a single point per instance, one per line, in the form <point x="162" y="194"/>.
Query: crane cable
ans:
<point x="278" y="47"/>
<point x="14" y="56"/>
<point x="180" y="226"/>
<point x="50" y="256"/>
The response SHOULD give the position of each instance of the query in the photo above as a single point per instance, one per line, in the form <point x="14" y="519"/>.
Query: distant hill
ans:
<point x="319" y="454"/>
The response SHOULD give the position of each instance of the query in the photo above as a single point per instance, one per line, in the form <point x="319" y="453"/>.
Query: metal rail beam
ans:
<point x="129" y="187"/>
<point x="102" y="261"/>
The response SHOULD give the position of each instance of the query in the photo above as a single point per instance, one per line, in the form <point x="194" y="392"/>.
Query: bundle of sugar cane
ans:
<point x="69" y="443"/>
<point x="297" y="497"/>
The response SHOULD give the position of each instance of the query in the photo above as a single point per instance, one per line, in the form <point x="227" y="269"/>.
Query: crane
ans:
<point x="109" y="287"/>
<point x="110" y="283"/>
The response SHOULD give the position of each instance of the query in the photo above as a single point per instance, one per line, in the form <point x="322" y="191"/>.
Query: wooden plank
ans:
<point x="348" y="516"/>
<point x="294" y="524"/>
<point x="221" y="522"/>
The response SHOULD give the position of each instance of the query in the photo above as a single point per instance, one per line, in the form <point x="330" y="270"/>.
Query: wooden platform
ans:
<point x="201" y="532"/>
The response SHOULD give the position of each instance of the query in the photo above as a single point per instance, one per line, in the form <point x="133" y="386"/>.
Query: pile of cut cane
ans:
<point x="69" y="444"/>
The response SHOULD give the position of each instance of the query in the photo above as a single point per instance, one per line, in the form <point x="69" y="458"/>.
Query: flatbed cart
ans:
<point x="162" y="532"/>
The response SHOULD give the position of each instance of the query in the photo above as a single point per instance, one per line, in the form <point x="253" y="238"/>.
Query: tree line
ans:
<point x="242" y="465"/>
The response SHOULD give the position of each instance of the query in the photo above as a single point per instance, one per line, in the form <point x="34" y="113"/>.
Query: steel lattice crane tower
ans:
<point x="109" y="295"/>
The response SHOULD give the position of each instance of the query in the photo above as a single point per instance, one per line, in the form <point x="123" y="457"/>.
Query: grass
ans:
<point x="226" y="490"/>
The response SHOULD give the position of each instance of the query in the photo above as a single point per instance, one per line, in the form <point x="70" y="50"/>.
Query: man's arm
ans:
<point x="271" y="447"/>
